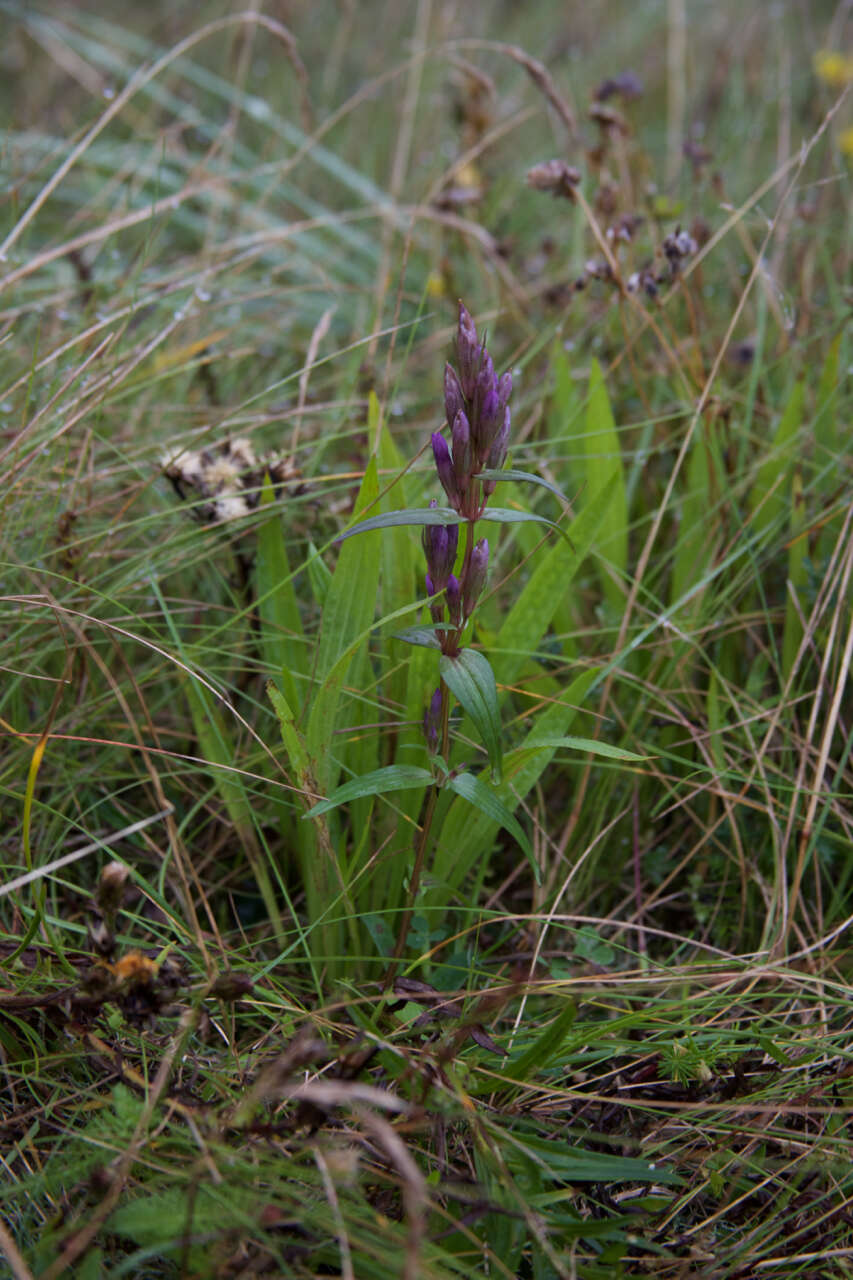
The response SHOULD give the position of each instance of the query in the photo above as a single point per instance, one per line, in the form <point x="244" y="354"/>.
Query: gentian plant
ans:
<point x="476" y="403"/>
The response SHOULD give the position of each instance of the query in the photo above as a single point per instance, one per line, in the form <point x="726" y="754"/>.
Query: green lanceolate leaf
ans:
<point x="528" y="477"/>
<point x="545" y="593"/>
<point x="470" y="679"/>
<point x="546" y="1047"/>
<point x="465" y="838"/>
<point x="605" y="474"/>
<point x="770" y="496"/>
<point x="282" y="640"/>
<point x="395" y="777"/>
<point x="290" y="736"/>
<point x="425" y="636"/>
<point x="445" y="515"/>
<point x="588" y="745"/>
<point x="348" y="612"/>
<point x="482" y="797"/>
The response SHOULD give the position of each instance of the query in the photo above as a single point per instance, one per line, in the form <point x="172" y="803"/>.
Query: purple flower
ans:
<point x="453" y="591"/>
<point x="469" y="352"/>
<point x="439" y="543"/>
<point x="475" y="578"/>
<point x="461" y="437"/>
<point x="454" y="400"/>
<point x="497" y="453"/>
<point x="444" y="467"/>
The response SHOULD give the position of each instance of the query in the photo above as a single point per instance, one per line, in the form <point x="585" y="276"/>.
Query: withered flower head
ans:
<point x="555" y="176"/>
<point x="224" y="481"/>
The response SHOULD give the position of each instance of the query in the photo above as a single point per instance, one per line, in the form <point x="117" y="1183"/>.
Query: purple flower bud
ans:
<point x="462" y="457"/>
<point x="453" y="593"/>
<point x="468" y="351"/>
<point x="504" y="388"/>
<point x="475" y="579"/>
<point x="432" y="722"/>
<point x="454" y="400"/>
<point x="436" y="604"/>
<point x="444" y="467"/>
<point x="439" y="543"/>
<point x="497" y="453"/>
<point x="486" y="409"/>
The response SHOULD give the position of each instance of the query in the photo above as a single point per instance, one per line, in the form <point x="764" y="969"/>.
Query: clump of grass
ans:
<point x="624" y="1053"/>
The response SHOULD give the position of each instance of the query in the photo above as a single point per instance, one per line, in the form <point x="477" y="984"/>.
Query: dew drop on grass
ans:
<point x="108" y="92"/>
<point x="203" y="295"/>
<point x="258" y="109"/>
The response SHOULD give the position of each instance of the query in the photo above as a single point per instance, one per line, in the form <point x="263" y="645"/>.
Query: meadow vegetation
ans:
<point x="357" y="924"/>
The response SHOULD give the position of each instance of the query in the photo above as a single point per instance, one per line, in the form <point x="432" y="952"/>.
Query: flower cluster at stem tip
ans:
<point x="476" y="404"/>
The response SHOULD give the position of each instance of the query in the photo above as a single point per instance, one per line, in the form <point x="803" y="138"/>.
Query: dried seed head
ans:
<point x="230" y="986"/>
<point x="608" y="119"/>
<point x="555" y="176"/>
<point x="111" y="886"/>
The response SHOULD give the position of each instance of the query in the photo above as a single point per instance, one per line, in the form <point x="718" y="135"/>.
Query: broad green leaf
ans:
<point x="770" y="498"/>
<point x="217" y="747"/>
<point x="697" y="527"/>
<point x="470" y="679"/>
<point x="282" y="642"/>
<point x="464" y="838"/>
<point x="546" y="1047"/>
<point x="482" y="797"/>
<point x="577" y="1164"/>
<point x="397" y="585"/>
<point x="826" y="408"/>
<point x="291" y="738"/>
<point x="605" y="475"/>
<point x="319" y="575"/>
<point x="347" y="614"/>
<point x="544" y="593"/>
<point x="394" y="777"/>
<point x="444" y="515"/>
<point x="528" y="477"/>
<point x="425" y="636"/>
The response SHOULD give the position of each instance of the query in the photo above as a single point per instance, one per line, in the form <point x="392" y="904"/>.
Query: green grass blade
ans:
<point x="605" y="476"/>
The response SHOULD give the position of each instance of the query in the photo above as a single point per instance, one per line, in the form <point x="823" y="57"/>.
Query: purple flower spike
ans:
<point x="444" y="467"/>
<point x="476" y="578"/>
<point x="432" y="722"/>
